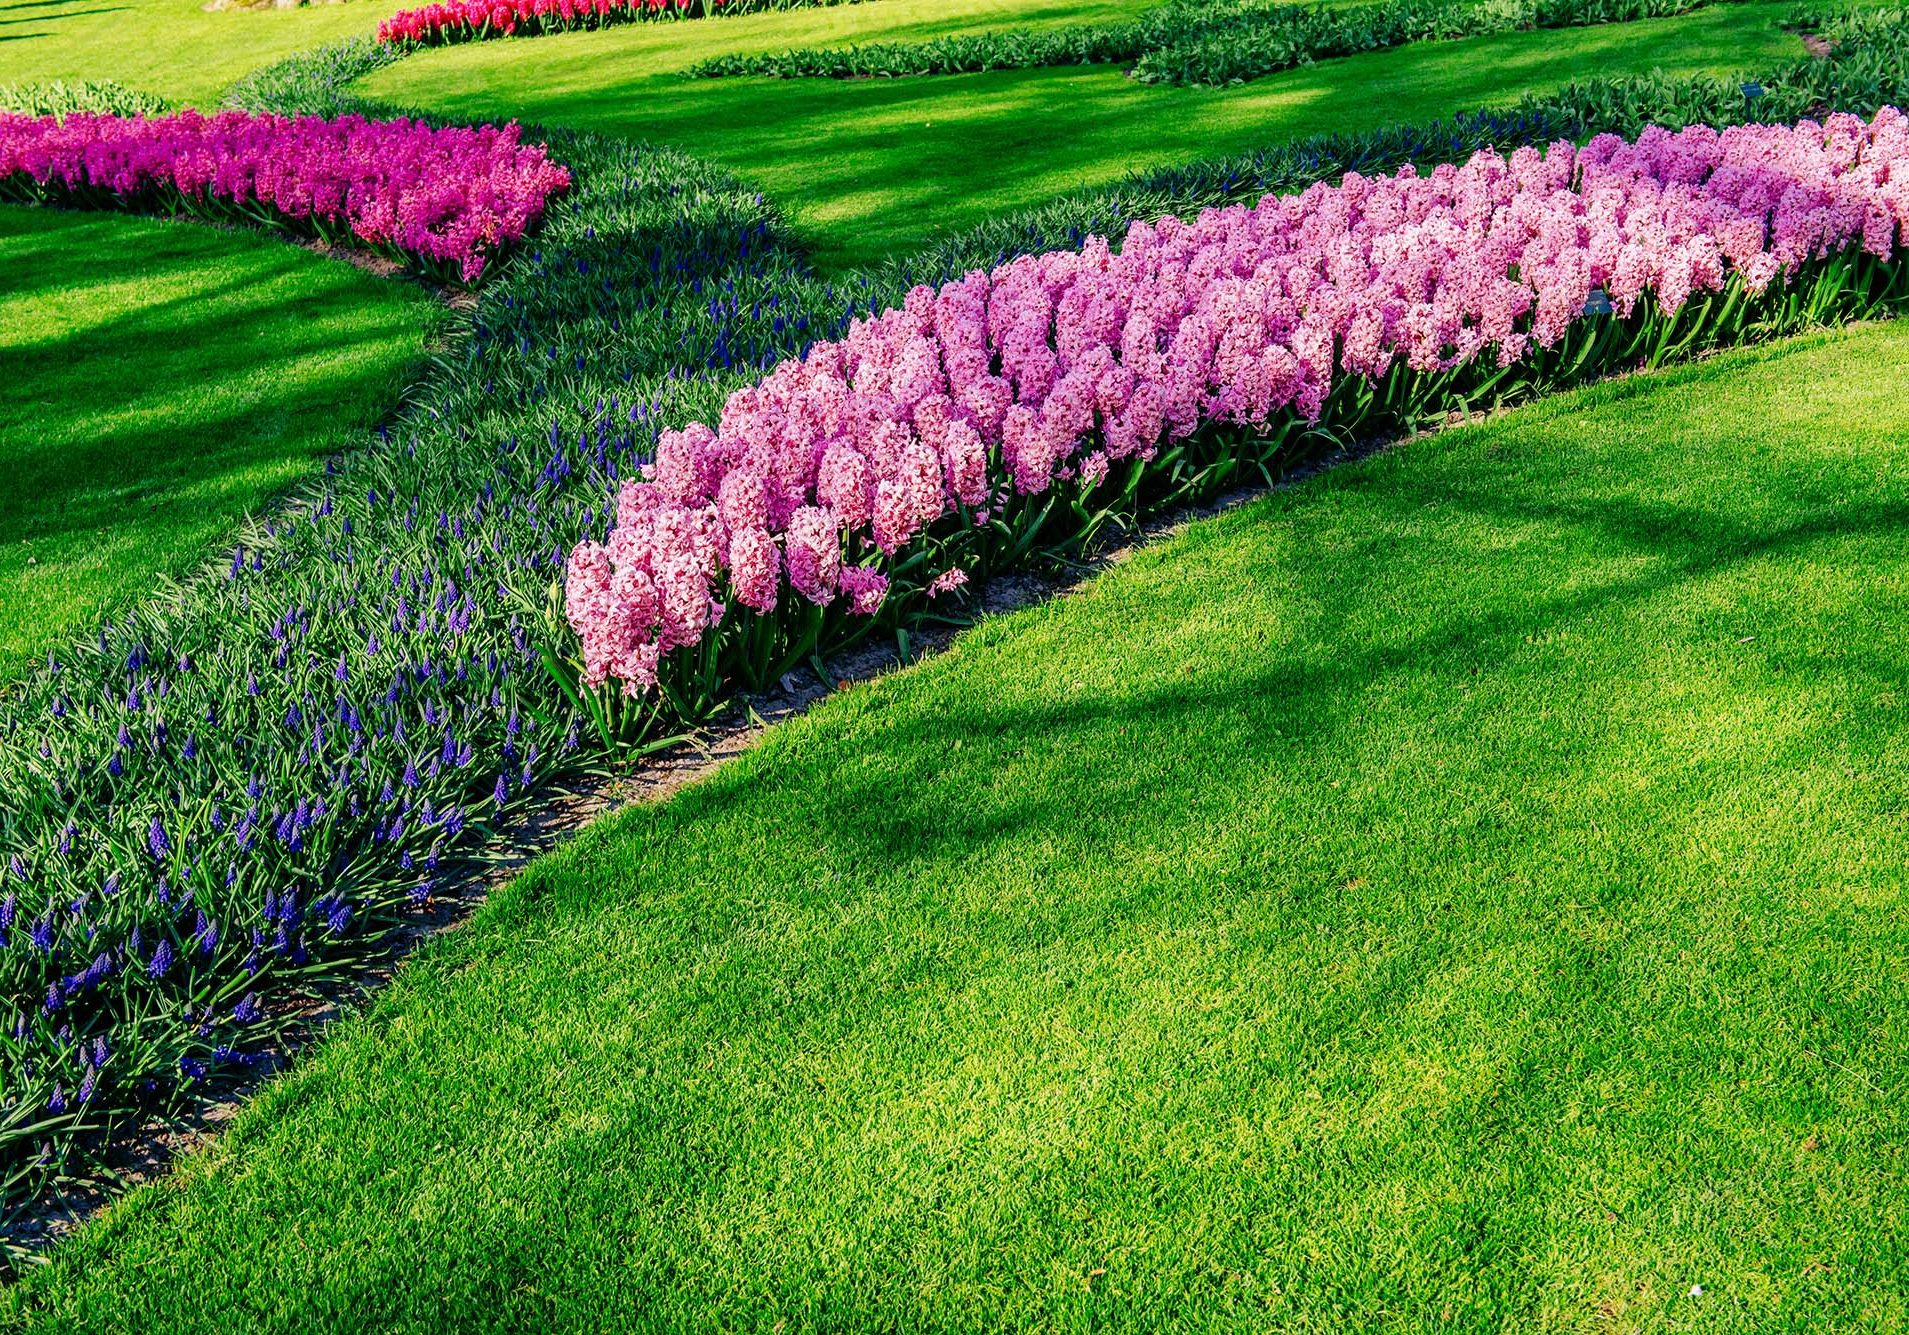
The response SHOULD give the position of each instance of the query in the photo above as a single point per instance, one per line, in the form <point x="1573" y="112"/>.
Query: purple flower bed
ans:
<point x="449" y="200"/>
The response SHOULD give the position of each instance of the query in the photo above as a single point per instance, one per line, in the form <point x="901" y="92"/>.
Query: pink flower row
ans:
<point x="455" y="19"/>
<point x="1055" y="367"/>
<point x="454" y="197"/>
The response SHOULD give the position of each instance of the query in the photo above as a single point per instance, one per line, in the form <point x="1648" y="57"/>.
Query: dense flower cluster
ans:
<point x="1063" y="366"/>
<point x="449" y="197"/>
<point x="464" y="20"/>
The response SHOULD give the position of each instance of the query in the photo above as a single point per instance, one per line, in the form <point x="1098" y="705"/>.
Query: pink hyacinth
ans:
<point x="947" y="582"/>
<point x="1058" y="367"/>
<point x="865" y="589"/>
<point x="814" y="550"/>
<point x="456" y="196"/>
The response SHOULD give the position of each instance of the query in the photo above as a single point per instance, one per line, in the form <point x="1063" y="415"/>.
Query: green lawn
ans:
<point x="177" y="49"/>
<point x="1463" y="892"/>
<point x="161" y="380"/>
<point x="864" y="168"/>
<point x="173" y="48"/>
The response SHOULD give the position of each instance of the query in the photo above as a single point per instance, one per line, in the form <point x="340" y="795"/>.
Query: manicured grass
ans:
<point x="177" y="49"/>
<point x="1463" y="892"/>
<point x="863" y="169"/>
<point x="173" y="48"/>
<point x="162" y="379"/>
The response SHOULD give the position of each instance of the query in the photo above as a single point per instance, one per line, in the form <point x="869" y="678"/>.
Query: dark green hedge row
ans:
<point x="973" y="53"/>
<point x="1186" y="42"/>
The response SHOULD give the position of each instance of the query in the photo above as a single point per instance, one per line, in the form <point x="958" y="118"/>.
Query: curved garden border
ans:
<point x="234" y="792"/>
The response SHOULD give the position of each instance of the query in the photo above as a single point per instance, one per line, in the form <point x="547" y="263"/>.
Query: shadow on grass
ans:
<point x="875" y="814"/>
<point x="164" y="379"/>
<point x="55" y="18"/>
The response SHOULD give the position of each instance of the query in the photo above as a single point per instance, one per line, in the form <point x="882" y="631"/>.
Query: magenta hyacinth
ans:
<point x="1053" y="367"/>
<point x="453" y="19"/>
<point x="454" y="196"/>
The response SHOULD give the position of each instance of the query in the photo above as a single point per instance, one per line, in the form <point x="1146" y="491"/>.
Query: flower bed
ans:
<point x="325" y="723"/>
<point x="448" y="200"/>
<point x="474" y="20"/>
<point x="1028" y="403"/>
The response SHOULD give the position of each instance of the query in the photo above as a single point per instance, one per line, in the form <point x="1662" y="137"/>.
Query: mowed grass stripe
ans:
<point x="1463" y="891"/>
<point x="163" y="379"/>
<point x="177" y="49"/>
